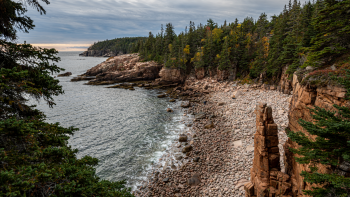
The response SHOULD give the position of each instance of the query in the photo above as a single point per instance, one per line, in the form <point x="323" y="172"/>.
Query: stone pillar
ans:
<point x="266" y="179"/>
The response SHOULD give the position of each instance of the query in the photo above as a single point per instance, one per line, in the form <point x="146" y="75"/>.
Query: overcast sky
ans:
<point x="75" y="24"/>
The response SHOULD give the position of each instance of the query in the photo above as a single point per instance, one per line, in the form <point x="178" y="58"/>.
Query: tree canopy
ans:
<point x="35" y="159"/>
<point x="312" y="34"/>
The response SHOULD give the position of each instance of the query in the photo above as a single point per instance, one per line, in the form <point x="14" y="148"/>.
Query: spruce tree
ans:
<point x="332" y="23"/>
<point x="35" y="159"/>
<point x="330" y="147"/>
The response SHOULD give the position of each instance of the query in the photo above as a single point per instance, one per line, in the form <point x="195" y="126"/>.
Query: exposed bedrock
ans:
<point x="126" y="68"/>
<point x="266" y="178"/>
<point x="303" y="98"/>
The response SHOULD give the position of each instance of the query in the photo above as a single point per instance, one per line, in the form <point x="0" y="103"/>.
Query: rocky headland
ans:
<point x="100" y="53"/>
<point x="128" y="68"/>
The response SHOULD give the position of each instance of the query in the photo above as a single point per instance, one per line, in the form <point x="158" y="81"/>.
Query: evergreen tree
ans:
<point x="332" y="23"/>
<point x="330" y="147"/>
<point x="224" y="57"/>
<point x="35" y="157"/>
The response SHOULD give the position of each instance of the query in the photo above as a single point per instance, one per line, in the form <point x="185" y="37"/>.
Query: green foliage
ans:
<point x="333" y="25"/>
<point x="331" y="147"/>
<point x="35" y="159"/>
<point x="255" y="47"/>
<point x="125" y="45"/>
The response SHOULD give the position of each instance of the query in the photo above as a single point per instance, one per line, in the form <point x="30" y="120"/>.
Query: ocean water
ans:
<point x="126" y="130"/>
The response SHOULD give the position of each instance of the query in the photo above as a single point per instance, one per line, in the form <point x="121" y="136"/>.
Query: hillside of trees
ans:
<point x="313" y="34"/>
<point x="117" y="45"/>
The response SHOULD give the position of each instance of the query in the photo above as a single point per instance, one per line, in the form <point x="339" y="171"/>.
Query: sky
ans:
<point x="73" y="25"/>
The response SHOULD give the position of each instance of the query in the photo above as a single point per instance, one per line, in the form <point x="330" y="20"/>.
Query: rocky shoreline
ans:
<point x="214" y="154"/>
<point x="213" y="157"/>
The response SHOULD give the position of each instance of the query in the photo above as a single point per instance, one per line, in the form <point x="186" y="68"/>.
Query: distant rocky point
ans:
<point x="114" y="47"/>
<point x="100" y="53"/>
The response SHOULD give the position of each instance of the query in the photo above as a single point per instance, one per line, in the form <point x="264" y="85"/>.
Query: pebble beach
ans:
<point x="214" y="153"/>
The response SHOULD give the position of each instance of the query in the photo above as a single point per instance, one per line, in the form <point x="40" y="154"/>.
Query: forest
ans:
<point x="117" y="45"/>
<point x="310" y="34"/>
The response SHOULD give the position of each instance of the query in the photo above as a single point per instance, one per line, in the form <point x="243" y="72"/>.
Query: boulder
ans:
<point x="236" y="94"/>
<point x="209" y="126"/>
<point x="200" y="115"/>
<point x="178" y="157"/>
<point x="185" y="104"/>
<point x="183" y="138"/>
<point x="83" y="78"/>
<point x="115" y="86"/>
<point x="166" y="180"/>
<point x="221" y="103"/>
<point x="194" y="180"/>
<point x="161" y="96"/>
<point x="65" y="74"/>
<point x="187" y="149"/>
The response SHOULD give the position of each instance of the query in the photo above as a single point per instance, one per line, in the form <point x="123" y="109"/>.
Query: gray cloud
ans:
<point x="86" y="21"/>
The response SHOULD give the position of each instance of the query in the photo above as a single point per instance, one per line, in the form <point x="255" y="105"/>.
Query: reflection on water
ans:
<point x="126" y="130"/>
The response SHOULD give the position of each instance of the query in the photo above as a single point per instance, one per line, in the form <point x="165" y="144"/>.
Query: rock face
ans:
<point x="304" y="97"/>
<point x="171" y="76"/>
<point x="124" y="68"/>
<point x="65" y="74"/>
<point x="285" y="84"/>
<point x="200" y="73"/>
<point x="222" y="74"/>
<point x="266" y="178"/>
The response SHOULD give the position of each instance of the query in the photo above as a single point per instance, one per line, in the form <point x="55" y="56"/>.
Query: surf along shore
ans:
<point x="214" y="154"/>
<point x="217" y="156"/>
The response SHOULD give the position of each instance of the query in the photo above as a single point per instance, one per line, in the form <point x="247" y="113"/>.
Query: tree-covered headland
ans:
<point x="35" y="159"/>
<point x="117" y="45"/>
<point x="309" y="34"/>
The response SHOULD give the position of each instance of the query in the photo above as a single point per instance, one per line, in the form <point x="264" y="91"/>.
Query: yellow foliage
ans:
<point x="187" y="49"/>
<point x="217" y="56"/>
<point x="266" y="45"/>
<point x="170" y="47"/>
<point x="197" y="57"/>
<point x="217" y="33"/>
<point x="239" y="25"/>
<point x="203" y="40"/>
